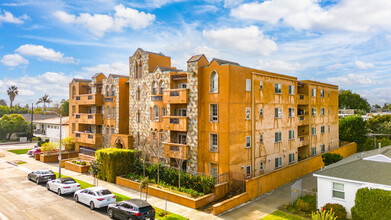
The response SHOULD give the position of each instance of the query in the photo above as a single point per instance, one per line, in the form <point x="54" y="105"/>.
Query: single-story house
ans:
<point x="50" y="128"/>
<point x="339" y="184"/>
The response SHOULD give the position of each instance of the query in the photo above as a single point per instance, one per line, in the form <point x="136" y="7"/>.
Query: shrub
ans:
<point x="69" y="143"/>
<point x="115" y="162"/>
<point x="49" y="147"/>
<point x="329" y="158"/>
<point x="301" y="205"/>
<point x="323" y="215"/>
<point x="354" y="214"/>
<point x="35" y="139"/>
<point x="373" y="203"/>
<point x="339" y="210"/>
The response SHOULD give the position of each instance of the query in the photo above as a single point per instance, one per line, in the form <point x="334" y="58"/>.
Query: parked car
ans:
<point x="131" y="209"/>
<point x="34" y="151"/>
<point x="64" y="185"/>
<point x="95" y="197"/>
<point x="41" y="176"/>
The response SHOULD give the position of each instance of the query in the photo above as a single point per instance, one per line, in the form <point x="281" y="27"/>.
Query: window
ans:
<point x="108" y="111"/>
<point x="248" y="171"/>
<point x="248" y="113"/>
<point x="322" y="112"/>
<point x="138" y="94"/>
<point x="277" y="137"/>
<point x="313" y="151"/>
<point x="182" y="85"/>
<point x="248" y="85"/>
<point x="112" y="131"/>
<point x="164" y="111"/>
<point x="261" y="85"/>
<point x="291" y="90"/>
<point x="261" y="166"/>
<point x="313" y="92"/>
<point x="313" y="130"/>
<point x="161" y="87"/>
<point x="112" y="91"/>
<point x="181" y="112"/>
<point x="329" y="128"/>
<point x="322" y="129"/>
<point x="278" y="162"/>
<point x="138" y="117"/>
<point x="113" y="113"/>
<point x="154" y="88"/>
<point x="213" y="113"/>
<point x="277" y="88"/>
<point x="261" y="138"/>
<point x="322" y="148"/>
<point x="214" y="82"/>
<point x="291" y="134"/>
<point x="213" y="169"/>
<point x="107" y="91"/>
<point x="291" y="112"/>
<point x="338" y="191"/>
<point x="329" y="111"/>
<point x="328" y="93"/>
<point x="156" y="111"/>
<point x="248" y="141"/>
<point x="261" y="112"/>
<point x="292" y="158"/>
<point x="322" y="93"/>
<point x="213" y="142"/>
<point x="313" y="111"/>
<point x="277" y="112"/>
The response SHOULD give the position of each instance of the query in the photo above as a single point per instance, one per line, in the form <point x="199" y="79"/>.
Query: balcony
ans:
<point x="304" y="140"/>
<point x="91" y="119"/>
<point x="158" y="125"/>
<point x="110" y="122"/>
<point x="176" y="96"/>
<point x="303" y="120"/>
<point x="87" y="138"/>
<point x="302" y="99"/>
<point x="89" y="99"/>
<point x="110" y="98"/>
<point x="174" y="150"/>
<point x="156" y="98"/>
<point x="175" y="123"/>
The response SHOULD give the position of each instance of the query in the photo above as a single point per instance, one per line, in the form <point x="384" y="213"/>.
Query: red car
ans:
<point x="34" y="151"/>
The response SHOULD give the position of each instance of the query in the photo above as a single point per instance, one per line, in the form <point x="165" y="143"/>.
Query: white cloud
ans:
<point x="249" y="39"/>
<point x="363" y="65"/>
<point x="232" y="3"/>
<point x="8" y="17"/>
<point x="351" y="79"/>
<point x="335" y="66"/>
<point x="41" y="52"/>
<point x="99" y="24"/>
<point x="14" y="60"/>
<point x="114" y="68"/>
<point x="207" y="51"/>
<point x="153" y="3"/>
<point x="278" y="66"/>
<point x="357" y="15"/>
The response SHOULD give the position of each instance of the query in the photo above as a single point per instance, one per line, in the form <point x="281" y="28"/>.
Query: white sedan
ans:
<point x="95" y="197"/>
<point x="63" y="185"/>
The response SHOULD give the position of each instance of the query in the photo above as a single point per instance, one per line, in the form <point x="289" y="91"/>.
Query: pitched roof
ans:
<point x="163" y="68"/>
<point x="362" y="171"/>
<point x="221" y="62"/>
<point x="195" y="58"/>
<point x="27" y="117"/>
<point x="387" y="153"/>
<point x="97" y="74"/>
<point x="118" y="76"/>
<point x="81" y="80"/>
<point x="54" y="121"/>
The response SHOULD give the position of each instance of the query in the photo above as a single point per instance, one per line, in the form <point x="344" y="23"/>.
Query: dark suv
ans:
<point x="41" y="176"/>
<point x="131" y="209"/>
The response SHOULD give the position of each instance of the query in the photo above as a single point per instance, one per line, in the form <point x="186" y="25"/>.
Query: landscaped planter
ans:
<point x="37" y="156"/>
<point x="76" y="168"/>
<point x="53" y="157"/>
<point x="64" y="160"/>
<point x="171" y="196"/>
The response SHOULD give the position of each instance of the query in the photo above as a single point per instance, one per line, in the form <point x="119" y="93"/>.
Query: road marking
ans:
<point x="31" y="217"/>
<point x="3" y="217"/>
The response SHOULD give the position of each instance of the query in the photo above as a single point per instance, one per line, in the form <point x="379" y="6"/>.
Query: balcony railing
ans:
<point x="85" y="118"/>
<point x="302" y="99"/>
<point x="175" y="150"/>
<point x="156" y="98"/>
<point x="89" y="99"/>
<point x="304" y="140"/>
<point x="87" y="138"/>
<point x="175" y="123"/>
<point x="176" y="96"/>
<point x="109" y="122"/>
<point x="303" y="120"/>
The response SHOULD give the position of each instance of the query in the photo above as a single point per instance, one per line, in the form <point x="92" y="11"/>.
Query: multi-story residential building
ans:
<point x="220" y="117"/>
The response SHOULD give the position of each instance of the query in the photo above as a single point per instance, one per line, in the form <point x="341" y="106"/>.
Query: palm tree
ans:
<point x="12" y="93"/>
<point x="44" y="99"/>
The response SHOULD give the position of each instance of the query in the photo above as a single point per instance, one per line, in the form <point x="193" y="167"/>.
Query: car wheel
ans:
<point x="37" y="181"/>
<point x="47" y="186"/>
<point x="59" y="192"/>
<point x="92" y="206"/>
<point x="76" y="198"/>
<point x="110" y="212"/>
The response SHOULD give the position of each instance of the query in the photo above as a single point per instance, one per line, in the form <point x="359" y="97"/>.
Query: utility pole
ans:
<point x="32" y="119"/>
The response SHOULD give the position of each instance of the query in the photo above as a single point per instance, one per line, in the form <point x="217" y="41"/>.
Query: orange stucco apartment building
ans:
<point x="217" y="116"/>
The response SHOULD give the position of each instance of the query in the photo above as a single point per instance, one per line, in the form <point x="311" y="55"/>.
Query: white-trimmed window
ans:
<point x="248" y="113"/>
<point x="291" y="134"/>
<point x="108" y="112"/>
<point x="291" y="112"/>
<point x="214" y="114"/>
<point x="322" y="148"/>
<point x="260" y="112"/>
<point x="277" y="88"/>
<point x="113" y="113"/>
<point x="161" y="87"/>
<point x="213" y="170"/>
<point x="313" y="111"/>
<point x="248" y="85"/>
<point x="248" y="141"/>
<point x="214" y="142"/>
<point x="313" y="151"/>
<point x="291" y="90"/>
<point x="261" y="85"/>
<point x="313" y="92"/>
<point x="338" y="190"/>
<point x="292" y="158"/>
<point x="156" y="111"/>
<point x="322" y="112"/>
<point x="112" y="91"/>
<point x="261" y="166"/>
<point x="277" y="112"/>
<point x="112" y="130"/>
<point x="313" y="130"/>
<point x="322" y="129"/>
<point x="214" y="82"/>
<point x="107" y="90"/>
<point x="278" y="162"/>
<point x="277" y="137"/>
<point x="154" y="88"/>
<point x="322" y="93"/>
<point x="261" y="138"/>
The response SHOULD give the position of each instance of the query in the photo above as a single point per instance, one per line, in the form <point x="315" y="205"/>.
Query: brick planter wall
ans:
<point x="37" y="156"/>
<point x="76" y="168"/>
<point x="53" y="157"/>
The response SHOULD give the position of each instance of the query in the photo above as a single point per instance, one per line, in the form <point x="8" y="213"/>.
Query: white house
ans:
<point x="50" y="128"/>
<point x="339" y="184"/>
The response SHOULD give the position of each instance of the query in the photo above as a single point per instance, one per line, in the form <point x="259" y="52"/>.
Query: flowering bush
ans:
<point x="339" y="210"/>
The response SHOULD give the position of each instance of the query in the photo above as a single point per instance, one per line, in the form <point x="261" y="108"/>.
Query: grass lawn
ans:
<point x="19" y="151"/>
<point x="120" y="197"/>
<point x="280" y="215"/>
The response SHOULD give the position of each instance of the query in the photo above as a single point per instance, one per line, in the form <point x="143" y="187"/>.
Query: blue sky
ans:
<point x="44" y="44"/>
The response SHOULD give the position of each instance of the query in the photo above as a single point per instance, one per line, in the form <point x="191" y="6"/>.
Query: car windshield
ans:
<point x="104" y="192"/>
<point x="145" y="209"/>
<point x="69" y="181"/>
<point x="46" y="172"/>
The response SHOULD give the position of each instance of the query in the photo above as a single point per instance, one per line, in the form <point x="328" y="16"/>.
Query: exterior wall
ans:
<point x="53" y="132"/>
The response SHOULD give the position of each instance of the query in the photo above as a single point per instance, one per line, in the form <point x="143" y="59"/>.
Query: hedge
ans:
<point x="373" y="204"/>
<point x="114" y="162"/>
<point x="330" y="158"/>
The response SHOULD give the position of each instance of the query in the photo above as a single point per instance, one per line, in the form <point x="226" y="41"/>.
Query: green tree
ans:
<point x="12" y="93"/>
<point x="380" y="124"/>
<point x="386" y="105"/>
<point x="350" y="100"/>
<point x="14" y="123"/>
<point x="38" y="111"/>
<point x="3" y="102"/>
<point x="376" y="106"/>
<point x="65" y="108"/>
<point x="44" y="99"/>
<point x="353" y="128"/>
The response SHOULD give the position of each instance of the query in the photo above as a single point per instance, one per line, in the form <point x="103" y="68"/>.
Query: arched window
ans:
<point x="150" y="114"/>
<point x="164" y="111"/>
<point x="112" y="90"/>
<point x="73" y="91"/>
<point x="107" y="90"/>
<point x="108" y="111"/>
<point x="113" y="113"/>
<point x="161" y="87"/>
<point x="156" y="110"/>
<point x="214" y="82"/>
<point x="154" y="88"/>
<point x="138" y="94"/>
<point x="140" y="68"/>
